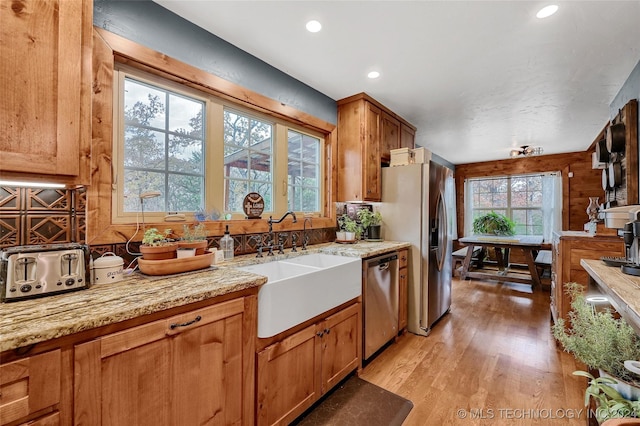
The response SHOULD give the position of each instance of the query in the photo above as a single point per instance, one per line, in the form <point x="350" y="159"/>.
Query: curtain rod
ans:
<point x="515" y="176"/>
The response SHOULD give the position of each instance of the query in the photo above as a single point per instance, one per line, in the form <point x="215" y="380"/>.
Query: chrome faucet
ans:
<point x="305" y="237"/>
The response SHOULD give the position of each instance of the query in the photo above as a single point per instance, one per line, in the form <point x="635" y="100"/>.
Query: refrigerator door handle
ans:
<point x="441" y="249"/>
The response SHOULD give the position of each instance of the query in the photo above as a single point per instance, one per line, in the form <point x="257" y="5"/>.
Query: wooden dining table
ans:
<point x="502" y="270"/>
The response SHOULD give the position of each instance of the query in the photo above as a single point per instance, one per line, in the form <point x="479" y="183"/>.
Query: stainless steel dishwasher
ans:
<point x="380" y="304"/>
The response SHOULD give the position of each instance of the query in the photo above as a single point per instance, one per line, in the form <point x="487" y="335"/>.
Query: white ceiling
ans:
<point x="477" y="78"/>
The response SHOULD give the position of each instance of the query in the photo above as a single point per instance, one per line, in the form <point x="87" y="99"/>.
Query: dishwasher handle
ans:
<point x="380" y="261"/>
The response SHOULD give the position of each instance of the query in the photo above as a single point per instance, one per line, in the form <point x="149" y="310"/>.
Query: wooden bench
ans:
<point x="459" y="255"/>
<point x="543" y="264"/>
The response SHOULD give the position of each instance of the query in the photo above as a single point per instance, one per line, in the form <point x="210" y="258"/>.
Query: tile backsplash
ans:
<point x="50" y="216"/>
<point x="41" y="216"/>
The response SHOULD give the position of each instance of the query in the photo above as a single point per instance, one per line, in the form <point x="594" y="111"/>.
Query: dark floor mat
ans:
<point x="357" y="402"/>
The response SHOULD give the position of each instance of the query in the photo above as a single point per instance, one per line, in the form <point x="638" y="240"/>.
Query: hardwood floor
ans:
<point x="491" y="360"/>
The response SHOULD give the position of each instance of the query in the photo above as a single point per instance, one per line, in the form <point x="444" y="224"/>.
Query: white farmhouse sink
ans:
<point x="301" y="288"/>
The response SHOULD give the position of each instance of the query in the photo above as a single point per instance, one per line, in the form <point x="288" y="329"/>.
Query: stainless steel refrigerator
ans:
<point x="418" y="206"/>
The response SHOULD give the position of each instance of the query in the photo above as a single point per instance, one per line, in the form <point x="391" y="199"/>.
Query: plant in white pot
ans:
<point x="601" y="341"/>
<point x="347" y="228"/>
<point x="194" y="238"/>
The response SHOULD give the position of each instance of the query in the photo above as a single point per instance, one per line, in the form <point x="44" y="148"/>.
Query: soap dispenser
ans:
<point x="226" y="245"/>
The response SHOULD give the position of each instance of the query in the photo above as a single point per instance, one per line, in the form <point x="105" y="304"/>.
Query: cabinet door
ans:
<point x="389" y="136"/>
<point x="288" y="381"/>
<point x="340" y="345"/>
<point x="45" y="90"/>
<point x="183" y="370"/>
<point x="403" y="279"/>
<point x="407" y="136"/>
<point x="371" y="172"/>
<point x="29" y="385"/>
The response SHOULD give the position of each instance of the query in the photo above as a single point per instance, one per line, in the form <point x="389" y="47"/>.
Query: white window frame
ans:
<point x="214" y="151"/>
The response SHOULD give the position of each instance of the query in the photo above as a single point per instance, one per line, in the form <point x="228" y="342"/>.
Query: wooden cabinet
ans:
<point x="46" y="89"/>
<point x="407" y="136"/>
<point x="403" y="279"/>
<point x="186" y="369"/>
<point x="294" y="372"/>
<point x="367" y="131"/>
<point x="389" y="136"/>
<point x="568" y="249"/>
<point x="29" y="385"/>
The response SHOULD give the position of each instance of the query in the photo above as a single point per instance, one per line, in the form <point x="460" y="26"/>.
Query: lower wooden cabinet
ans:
<point x="187" y="370"/>
<point x="403" y="280"/>
<point x="568" y="250"/>
<point x="29" y="385"/>
<point x="293" y="373"/>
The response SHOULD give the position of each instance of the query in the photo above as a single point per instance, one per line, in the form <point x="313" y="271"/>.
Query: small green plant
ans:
<point x="369" y="218"/>
<point x="346" y="224"/>
<point x="195" y="233"/>
<point x="597" y="338"/>
<point x="154" y="238"/>
<point x="493" y="223"/>
<point x="610" y="404"/>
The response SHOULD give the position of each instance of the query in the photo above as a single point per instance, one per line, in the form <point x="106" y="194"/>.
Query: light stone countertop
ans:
<point x="32" y="321"/>
<point x="623" y="290"/>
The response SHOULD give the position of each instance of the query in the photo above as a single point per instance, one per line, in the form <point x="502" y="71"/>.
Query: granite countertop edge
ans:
<point x="28" y="322"/>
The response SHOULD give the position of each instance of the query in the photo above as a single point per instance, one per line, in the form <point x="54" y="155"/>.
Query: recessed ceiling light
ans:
<point x="314" y="26"/>
<point x="373" y="74"/>
<point x="547" y="11"/>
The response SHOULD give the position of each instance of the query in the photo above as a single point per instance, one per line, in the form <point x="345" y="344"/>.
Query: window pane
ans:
<point x="143" y="104"/>
<point x="248" y="159"/>
<point x="163" y="134"/>
<point x="185" y="193"/>
<point x="303" y="172"/>
<point x="517" y="197"/>
<point x="135" y="183"/>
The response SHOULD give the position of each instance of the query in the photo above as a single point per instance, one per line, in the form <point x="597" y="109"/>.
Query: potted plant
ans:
<point x="493" y="224"/>
<point x="610" y="403"/>
<point x="194" y="237"/>
<point x="371" y="222"/>
<point x="156" y="245"/>
<point x="600" y="340"/>
<point x="347" y="228"/>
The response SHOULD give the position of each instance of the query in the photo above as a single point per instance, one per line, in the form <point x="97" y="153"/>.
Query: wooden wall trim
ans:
<point x="99" y="228"/>
<point x="195" y="77"/>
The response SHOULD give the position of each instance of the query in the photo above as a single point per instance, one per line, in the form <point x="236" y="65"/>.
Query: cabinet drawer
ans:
<point x="403" y="258"/>
<point x="29" y="385"/>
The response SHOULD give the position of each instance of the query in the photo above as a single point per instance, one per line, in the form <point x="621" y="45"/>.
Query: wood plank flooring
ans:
<point x="491" y="361"/>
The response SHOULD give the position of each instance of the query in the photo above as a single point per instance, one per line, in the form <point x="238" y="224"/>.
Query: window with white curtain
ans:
<point x="532" y="201"/>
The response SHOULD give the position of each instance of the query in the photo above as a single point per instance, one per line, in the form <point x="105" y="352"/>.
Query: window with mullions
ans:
<point x="163" y="148"/>
<point x="517" y="197"/>
<point x="248" y="159"/>
<point x="303" y="172"/>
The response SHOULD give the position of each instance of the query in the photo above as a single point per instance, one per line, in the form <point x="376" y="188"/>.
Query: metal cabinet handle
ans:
<point x="185" y="324"/>
<point x="327" y="330"/>
<point x="320" y="333"/>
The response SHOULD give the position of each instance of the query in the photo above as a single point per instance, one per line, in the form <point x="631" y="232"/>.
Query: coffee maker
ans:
<point x="626" y="219"/>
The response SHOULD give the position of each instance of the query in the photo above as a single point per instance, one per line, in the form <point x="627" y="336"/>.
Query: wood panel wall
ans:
<point x="586" y="182"/>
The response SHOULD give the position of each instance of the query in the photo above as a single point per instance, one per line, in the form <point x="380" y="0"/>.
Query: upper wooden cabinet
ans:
<point x="367" y="132"/>
<point x="407" y="136"/>
<point x="46" y="89"/>
<point x="389" y="136"/>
